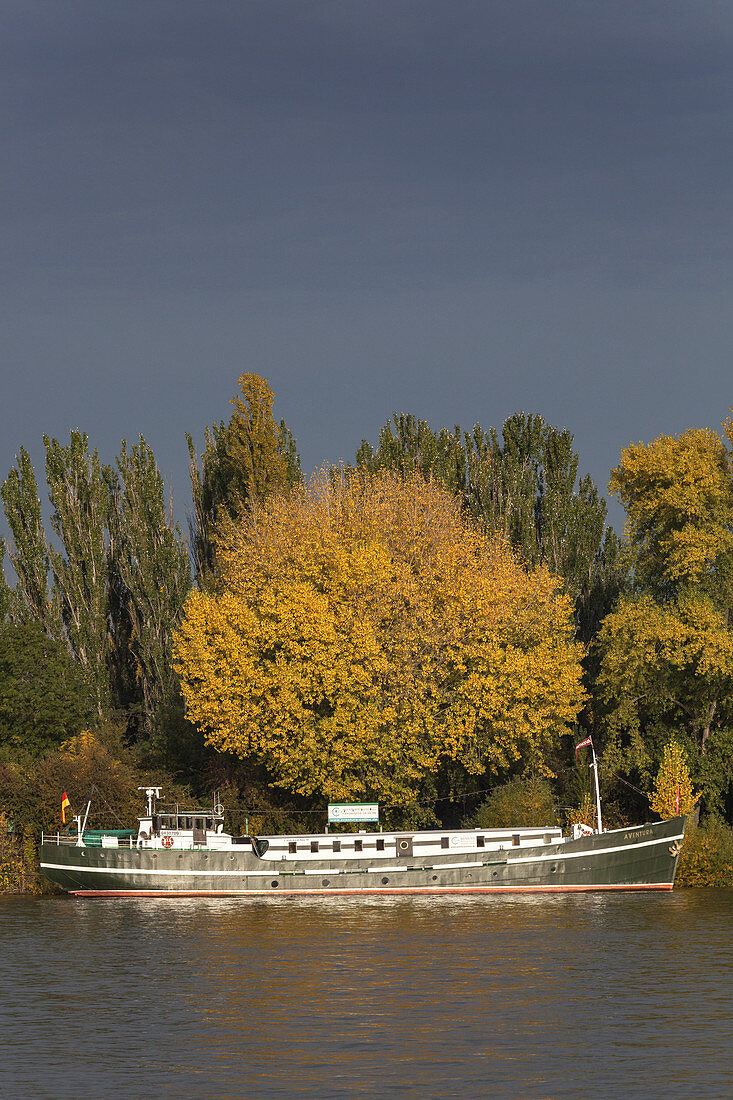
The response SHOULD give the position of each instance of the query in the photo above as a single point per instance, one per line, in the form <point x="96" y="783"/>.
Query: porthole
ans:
<point x="435" y="878"/>
<point x="325" y="882"/>
<point x="274" y="884"/>
<point x="469" y="876"/>
<point x="101" y="855"/>
<point x="385" y="881"/>
<point x="494" y="874"/>
<point x="231" y="858"/>
<point x="553" y="869"/>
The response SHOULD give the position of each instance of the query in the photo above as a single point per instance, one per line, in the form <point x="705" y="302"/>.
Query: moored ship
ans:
<point x="187" y="853"/>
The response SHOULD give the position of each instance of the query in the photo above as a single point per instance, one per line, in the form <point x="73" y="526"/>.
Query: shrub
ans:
<point x="707" y="855"/>
<point x="519" y="803"/>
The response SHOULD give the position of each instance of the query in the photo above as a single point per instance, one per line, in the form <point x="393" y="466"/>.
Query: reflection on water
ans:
<point x="547" y="996"/>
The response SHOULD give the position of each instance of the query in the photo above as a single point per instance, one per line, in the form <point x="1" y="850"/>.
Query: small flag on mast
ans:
<point x="582" y="745"/>
<point x="65" y="805"/>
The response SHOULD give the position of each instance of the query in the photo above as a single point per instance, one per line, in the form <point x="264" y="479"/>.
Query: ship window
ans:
<point x="380" y="845"/>
<point x="197" y="823"/>
<point x="480" y="842"/>
<point x="515" y="839"/>
<point x="337" y="845"/>
<point x="444" y="842"/>
<point x="314" y="846"/>
<point x="292" y="847"/>
<point x="358" y="846"/>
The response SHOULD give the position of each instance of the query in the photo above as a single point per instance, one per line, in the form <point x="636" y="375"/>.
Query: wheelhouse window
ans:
<point x="292" y="847"/>
<point x="380" y="844"/>
<point x="480" y="842"/>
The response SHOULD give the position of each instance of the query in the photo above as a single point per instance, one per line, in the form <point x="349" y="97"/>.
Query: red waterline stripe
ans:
<point x="275" y="892"/>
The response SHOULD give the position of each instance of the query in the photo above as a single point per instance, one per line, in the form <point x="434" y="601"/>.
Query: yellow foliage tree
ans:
<point x="678" y="496"/>
<point x="673" y="794"/>
<point x="362" y="630"/>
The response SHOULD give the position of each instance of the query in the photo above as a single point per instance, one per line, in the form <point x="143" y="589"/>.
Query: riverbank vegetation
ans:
<point x="433" y="626"/>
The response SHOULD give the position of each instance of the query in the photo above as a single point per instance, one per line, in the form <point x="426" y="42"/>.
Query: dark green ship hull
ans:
<point x="643" y="858"/>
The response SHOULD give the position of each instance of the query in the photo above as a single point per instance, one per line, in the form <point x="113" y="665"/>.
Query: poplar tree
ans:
<point x="5" y="592"/>
<point x="522" y="486"/>
<point x="152" y="571"/>
<point x="80" y="490"/>
<point x="29" y="554"/>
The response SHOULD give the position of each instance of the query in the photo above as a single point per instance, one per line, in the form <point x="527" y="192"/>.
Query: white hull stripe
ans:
<point x="275" y="871"/>
<point x="601" y="851"/>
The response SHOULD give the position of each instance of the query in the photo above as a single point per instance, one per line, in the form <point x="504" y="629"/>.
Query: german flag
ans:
<point x="65" y="805"/>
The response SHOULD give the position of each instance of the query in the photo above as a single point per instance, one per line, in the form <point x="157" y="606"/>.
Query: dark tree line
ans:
<point x="524" y="485"/>
<point x="107" y="585"/>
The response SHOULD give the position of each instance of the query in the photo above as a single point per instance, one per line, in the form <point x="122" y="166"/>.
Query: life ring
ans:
<point x="218" y="809"/>
<point x="167" y="842"/>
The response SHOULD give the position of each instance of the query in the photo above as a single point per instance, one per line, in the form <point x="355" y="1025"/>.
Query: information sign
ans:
<point x="343" y="811"/>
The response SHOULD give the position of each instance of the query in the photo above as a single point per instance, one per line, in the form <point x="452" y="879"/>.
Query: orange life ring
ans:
<point x="167" y="842"/>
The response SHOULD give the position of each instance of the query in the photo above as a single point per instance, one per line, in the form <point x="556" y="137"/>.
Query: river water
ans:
<point x="587" y="996"/>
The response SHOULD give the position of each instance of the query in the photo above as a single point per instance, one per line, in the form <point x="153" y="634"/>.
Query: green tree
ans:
<point x="29" y="553"/>
<point x="5" y="591"/>
<point x="666" y="650"/>
<point x="43" y="696"/>
<point x="153" y="573"/>
<point x="80" y="490"/>
<point x="408" y="446"/>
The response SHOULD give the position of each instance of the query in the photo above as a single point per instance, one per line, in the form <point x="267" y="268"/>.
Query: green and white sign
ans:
<point x="344" y="811"/>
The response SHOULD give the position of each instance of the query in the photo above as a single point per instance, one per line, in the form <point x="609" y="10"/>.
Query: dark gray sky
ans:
<point x="457" y="209"/>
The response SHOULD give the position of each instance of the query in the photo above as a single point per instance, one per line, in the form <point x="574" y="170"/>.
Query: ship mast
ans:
<point x="594" y="765"/>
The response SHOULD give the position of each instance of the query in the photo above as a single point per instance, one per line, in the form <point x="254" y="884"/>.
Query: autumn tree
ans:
<point x="363" y="630"/>
<point x="673" y="794"/>
<point x="242" y="463"/>
<point x="667" y="649"/>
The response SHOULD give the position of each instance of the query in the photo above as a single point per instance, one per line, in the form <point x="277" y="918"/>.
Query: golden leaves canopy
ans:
<point x="362" y="630"/>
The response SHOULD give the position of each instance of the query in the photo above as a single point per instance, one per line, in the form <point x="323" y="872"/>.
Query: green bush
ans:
<point x="519" y="803"/>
